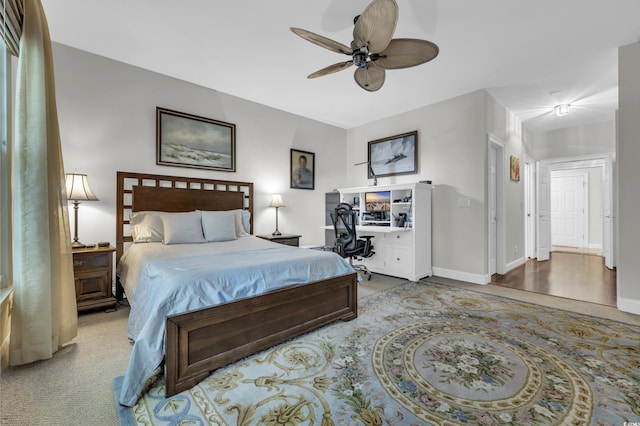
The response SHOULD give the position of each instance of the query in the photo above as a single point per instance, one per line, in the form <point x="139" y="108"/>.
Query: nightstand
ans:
<point x="287" y="239"/>
<point x="92" y="269"/>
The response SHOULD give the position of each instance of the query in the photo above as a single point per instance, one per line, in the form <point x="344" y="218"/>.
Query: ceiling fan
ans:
<point x="373" y="50"/>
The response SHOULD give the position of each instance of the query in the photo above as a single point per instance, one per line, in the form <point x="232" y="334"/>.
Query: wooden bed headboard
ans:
<point x="140" y="192"/>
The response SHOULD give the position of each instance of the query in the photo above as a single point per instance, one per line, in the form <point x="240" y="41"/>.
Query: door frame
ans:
<point x="607" y="162"/>
<point x="529" y="207"/>
<point x="501" y="235"/>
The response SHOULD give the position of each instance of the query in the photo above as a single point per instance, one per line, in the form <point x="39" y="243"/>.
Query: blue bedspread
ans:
<point x="179" y="284"/>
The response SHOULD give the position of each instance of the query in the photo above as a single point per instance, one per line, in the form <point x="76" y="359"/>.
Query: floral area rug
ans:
<point x="424" y="353"/>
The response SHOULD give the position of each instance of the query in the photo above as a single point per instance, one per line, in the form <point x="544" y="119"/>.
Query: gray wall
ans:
<point x="628" y="154"/>
<point x="598" y="138"/>
<point x="107" y="121"/>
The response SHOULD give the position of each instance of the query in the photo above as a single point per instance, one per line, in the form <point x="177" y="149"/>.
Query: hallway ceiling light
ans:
<point x="561" y="110"/>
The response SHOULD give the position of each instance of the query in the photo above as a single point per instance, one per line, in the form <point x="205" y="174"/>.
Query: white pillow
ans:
<point x="182" y="228"/>
<point x="242" y="220"/>
<point x="146" y="226"/>
<point x="219" y="226"/>
<point x="243" y="225"/>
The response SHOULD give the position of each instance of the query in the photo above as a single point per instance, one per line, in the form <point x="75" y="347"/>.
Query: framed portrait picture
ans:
<point x="186" y="140"/>
<point x="514" y="168"/>
<point x="302" y="169"/>
<point x="395" y="155"/>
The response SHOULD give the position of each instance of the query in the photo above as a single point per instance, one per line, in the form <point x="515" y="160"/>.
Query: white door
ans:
<point x="568" y="209"/>
<point x="493" y="211"/>
<point x="543" y="202"/>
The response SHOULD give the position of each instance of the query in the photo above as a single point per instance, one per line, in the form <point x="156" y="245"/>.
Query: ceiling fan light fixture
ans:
<point x="373" y="50"/>
<point x="562" y="110"/>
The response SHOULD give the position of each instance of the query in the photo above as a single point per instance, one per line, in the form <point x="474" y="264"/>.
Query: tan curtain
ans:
<point x="11" y="16"/>
<point x="44" y="310"/>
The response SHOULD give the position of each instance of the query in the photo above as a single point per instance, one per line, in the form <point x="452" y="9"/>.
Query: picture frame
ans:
<point x="395" y="155"/>
<point x="303" y="165"/>
<point x="187" y="140"/>
<point x="514" y="168"/>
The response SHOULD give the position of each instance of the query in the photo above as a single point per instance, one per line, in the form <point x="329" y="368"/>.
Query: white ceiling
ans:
<point x="531" y="55"/>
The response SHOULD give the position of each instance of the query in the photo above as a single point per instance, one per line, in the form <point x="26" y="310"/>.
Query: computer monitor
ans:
<point x="377" y="205"/>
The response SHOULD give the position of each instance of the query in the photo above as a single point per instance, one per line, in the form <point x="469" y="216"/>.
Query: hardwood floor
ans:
<point x="571" y="275"/>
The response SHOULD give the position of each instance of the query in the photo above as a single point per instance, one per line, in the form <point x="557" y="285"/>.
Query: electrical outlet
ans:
<point x="516" y="249"/>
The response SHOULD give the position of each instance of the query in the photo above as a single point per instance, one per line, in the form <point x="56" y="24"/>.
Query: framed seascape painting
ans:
<point x="395" y="155"/>
<point x="302" y="169"/>
<point x="186" y="140"/>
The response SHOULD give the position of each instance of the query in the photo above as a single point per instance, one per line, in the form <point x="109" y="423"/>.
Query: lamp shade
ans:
<point x="78" y="188"/>
<point x="276" y="201"/>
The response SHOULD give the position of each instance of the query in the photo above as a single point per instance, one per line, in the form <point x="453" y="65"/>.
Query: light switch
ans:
<point x="464" y="202"/>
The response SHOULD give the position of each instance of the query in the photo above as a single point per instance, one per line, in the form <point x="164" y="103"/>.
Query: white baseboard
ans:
<point x="462" y="276"/>
<point x="514" y="264"/>
<point x="629" y="305"/>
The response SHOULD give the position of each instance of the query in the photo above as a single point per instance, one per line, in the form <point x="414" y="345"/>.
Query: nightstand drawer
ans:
<point x="99" y="260"/>
<point x="288" y="241"/>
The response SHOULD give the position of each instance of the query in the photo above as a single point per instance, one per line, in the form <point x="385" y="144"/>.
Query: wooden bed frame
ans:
<point x="201" y="341"/>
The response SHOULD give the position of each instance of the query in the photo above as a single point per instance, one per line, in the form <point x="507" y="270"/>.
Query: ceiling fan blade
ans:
<point x="375" y="26"/>
<point x="322" y="41"/>
<point x="406" y="52"/>
<point x="331" y="69"/>
<point x="370" y="78"/>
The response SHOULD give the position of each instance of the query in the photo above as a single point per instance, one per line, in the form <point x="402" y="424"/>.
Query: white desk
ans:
<point x="399" y="252"/>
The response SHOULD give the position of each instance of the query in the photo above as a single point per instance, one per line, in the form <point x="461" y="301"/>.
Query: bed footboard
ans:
<point x="199" y="342"/>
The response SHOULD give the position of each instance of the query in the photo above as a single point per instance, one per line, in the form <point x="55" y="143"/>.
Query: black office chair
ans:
<point x="347" y="243"/>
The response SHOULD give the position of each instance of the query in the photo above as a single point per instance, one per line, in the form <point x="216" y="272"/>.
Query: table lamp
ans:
<point x="276" y="201"/>
<point x="78" y="190"/>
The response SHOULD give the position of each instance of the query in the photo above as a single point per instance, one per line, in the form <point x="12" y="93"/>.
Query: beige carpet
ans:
<point x="75" y="387"/>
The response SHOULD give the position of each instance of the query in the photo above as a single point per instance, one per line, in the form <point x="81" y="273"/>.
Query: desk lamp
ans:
<point x="78" y="190"/>
<point x="276" y="201"/>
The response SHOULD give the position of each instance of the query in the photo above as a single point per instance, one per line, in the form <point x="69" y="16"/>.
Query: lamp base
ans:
<point x="77" y="244"/>
<point x="276" y="233"/>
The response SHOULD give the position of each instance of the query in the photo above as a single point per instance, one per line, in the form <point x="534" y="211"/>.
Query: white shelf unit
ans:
<point x="400" y="251"/>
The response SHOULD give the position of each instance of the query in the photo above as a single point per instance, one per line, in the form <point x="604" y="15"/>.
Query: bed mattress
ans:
<point x="162" y="280"/>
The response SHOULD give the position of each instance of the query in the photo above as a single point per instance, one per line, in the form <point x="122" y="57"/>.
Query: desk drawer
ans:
<point x="402" y="238"/>
<point x="398" y="258"/>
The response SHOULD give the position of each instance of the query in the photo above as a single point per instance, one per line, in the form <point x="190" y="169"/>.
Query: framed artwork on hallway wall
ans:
<point x="186" y="140"/>
<point x="303" y="166"/>
<point x="514" y="168"/>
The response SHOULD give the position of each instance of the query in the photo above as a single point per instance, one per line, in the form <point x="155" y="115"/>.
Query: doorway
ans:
<point x="567" y="277"/>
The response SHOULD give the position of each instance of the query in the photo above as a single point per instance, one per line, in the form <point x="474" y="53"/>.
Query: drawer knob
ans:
<point x="78" y="262"/>
<point x="397" y="236"/>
